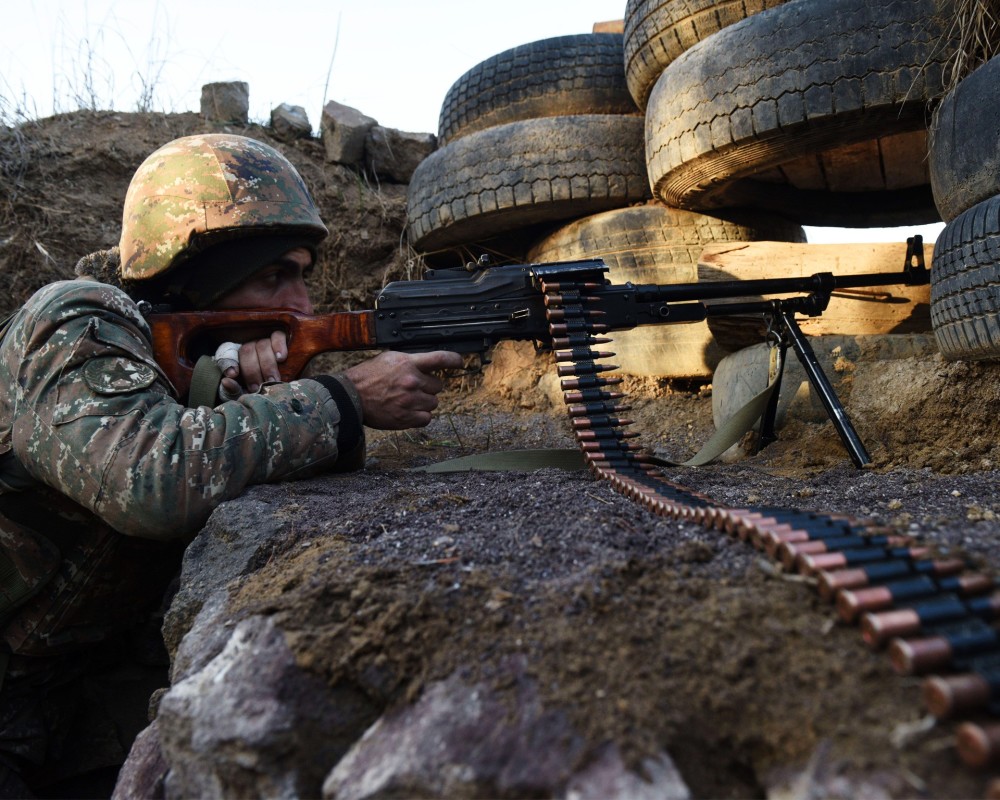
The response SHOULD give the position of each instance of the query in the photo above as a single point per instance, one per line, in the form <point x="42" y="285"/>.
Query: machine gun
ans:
<point x="557" y="305"/>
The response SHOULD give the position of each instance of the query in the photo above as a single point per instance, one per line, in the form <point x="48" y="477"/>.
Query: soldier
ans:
<point x="105" y="474"/>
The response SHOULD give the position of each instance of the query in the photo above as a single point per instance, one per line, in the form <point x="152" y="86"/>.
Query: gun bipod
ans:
<point x="786" y="331"/>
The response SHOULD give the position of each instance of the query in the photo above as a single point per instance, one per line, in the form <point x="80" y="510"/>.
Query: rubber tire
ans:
<point x="731" y="118"/>
<point x="523" y="173"/>
<point x="744" y="373"/>
<point x="965" y="273"/>
<point x="964" y="158"/>
<point x="658" y="31"/>
<point x="563" y="76"/>
<point x="656" y="244"/>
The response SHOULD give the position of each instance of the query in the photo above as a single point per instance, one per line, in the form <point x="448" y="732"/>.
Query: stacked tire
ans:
<point x="542" y="158"/>
<point x="658" y="31"/>
<point x="815" y="110"/>
<point x="535" y="135"/>
<point x="965" y="176"/>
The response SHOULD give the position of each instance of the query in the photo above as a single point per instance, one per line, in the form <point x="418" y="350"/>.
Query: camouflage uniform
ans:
<point x="104" y="476"/>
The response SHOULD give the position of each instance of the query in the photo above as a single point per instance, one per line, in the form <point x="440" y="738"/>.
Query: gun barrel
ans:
<point x="818" y="282"/>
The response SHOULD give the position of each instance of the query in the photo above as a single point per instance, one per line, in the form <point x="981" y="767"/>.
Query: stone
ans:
<point x="290" y="122"/>
<point x="460" y="740"/>
<point x="226" y="102"/>
<point x="211" y="629"/>
<point x="145" y="769"/>
<point x="236" y="540"/>
<point x="344" y="131"/>
<point x="607" y="778"/>
<point x="393" y="155"/>
<point x="252" y="723"/>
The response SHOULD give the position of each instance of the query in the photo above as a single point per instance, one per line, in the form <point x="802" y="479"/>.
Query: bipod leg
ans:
<point x="767" y="433"/>
<point x="827" y="395"/>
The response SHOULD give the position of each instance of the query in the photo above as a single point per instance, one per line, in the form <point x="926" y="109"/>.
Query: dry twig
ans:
<point x="977" y="31"/>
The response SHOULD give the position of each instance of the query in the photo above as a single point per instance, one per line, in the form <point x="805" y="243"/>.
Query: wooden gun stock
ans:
<point x="178" y="335"/>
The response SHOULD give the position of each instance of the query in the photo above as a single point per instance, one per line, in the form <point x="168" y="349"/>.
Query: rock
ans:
<point x="460" y="740"/>
<point x="145" y="770"/>
<point x="226" y="102"/>
<point x="393" y="154"/>
<point x="252" y="723"/>
<point x="607" y="778"/>
<point x="237" y="539"/>
<point x="344" y="130"/>
<point x="290" y="122"/>
<point x="518" y="372"/>
<point x="206" y="638"/>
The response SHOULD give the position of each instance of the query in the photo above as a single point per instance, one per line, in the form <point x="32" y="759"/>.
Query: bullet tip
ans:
<point x="973" y="745"/>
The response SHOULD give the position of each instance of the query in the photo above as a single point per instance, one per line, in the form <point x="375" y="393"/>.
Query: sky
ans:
<point x="393" y="60"/>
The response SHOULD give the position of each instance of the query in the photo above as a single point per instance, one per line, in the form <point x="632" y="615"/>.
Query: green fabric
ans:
<point x="205" y="382"/>
<point x="725" y="437"/>
<point x="5" y="324"/>
<point x="13" y="586"/>
<point x="734" y="429"/>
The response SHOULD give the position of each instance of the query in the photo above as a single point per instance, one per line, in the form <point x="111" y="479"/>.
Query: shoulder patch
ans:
<point x="117" y="375"/>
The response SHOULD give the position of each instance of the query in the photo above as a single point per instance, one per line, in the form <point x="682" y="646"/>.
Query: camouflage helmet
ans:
<point x="197" y="191"/>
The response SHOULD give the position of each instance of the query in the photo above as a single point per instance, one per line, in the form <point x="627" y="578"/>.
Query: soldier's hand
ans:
<point x="399" y="390"/>
<point x="258" y="362"/>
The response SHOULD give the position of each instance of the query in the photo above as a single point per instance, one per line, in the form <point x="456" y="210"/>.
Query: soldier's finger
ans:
<point x="432" y="384"/>
<point x="279" y="344"/>
<point x="267" y="360"/>
<point x="250" y="369"/>
<point x="437" y="359"/>
<point x="229" y="389"/>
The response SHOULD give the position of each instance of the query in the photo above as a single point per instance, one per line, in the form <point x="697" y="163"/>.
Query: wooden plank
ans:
<point x="878" y="310"/>
<point x="854" y="168"/>
<point x="753" y="260"/>
<point x="905" y="160"/>
<point x="612" y="26"/>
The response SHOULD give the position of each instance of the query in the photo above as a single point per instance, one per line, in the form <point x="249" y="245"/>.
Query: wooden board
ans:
<point x="612" y="26"/>
<point x="877" y="310"/>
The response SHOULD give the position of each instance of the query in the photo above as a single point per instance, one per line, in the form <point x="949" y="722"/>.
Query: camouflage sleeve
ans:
<point x="92" y="416"/>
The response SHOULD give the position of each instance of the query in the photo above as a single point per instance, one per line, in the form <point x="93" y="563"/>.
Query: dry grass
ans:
<point x="977" y="29"/>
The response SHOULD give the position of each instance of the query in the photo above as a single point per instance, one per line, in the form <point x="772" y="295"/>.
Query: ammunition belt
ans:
<point x="932" y="614"/>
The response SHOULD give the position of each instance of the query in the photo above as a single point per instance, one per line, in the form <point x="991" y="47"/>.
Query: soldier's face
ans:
<point x="278" y="285"/>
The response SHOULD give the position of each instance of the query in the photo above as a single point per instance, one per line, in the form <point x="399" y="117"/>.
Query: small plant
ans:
<point x="13" y="149"/>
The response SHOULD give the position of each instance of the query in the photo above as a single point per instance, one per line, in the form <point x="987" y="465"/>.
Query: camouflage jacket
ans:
<point x="101" y="468"/>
